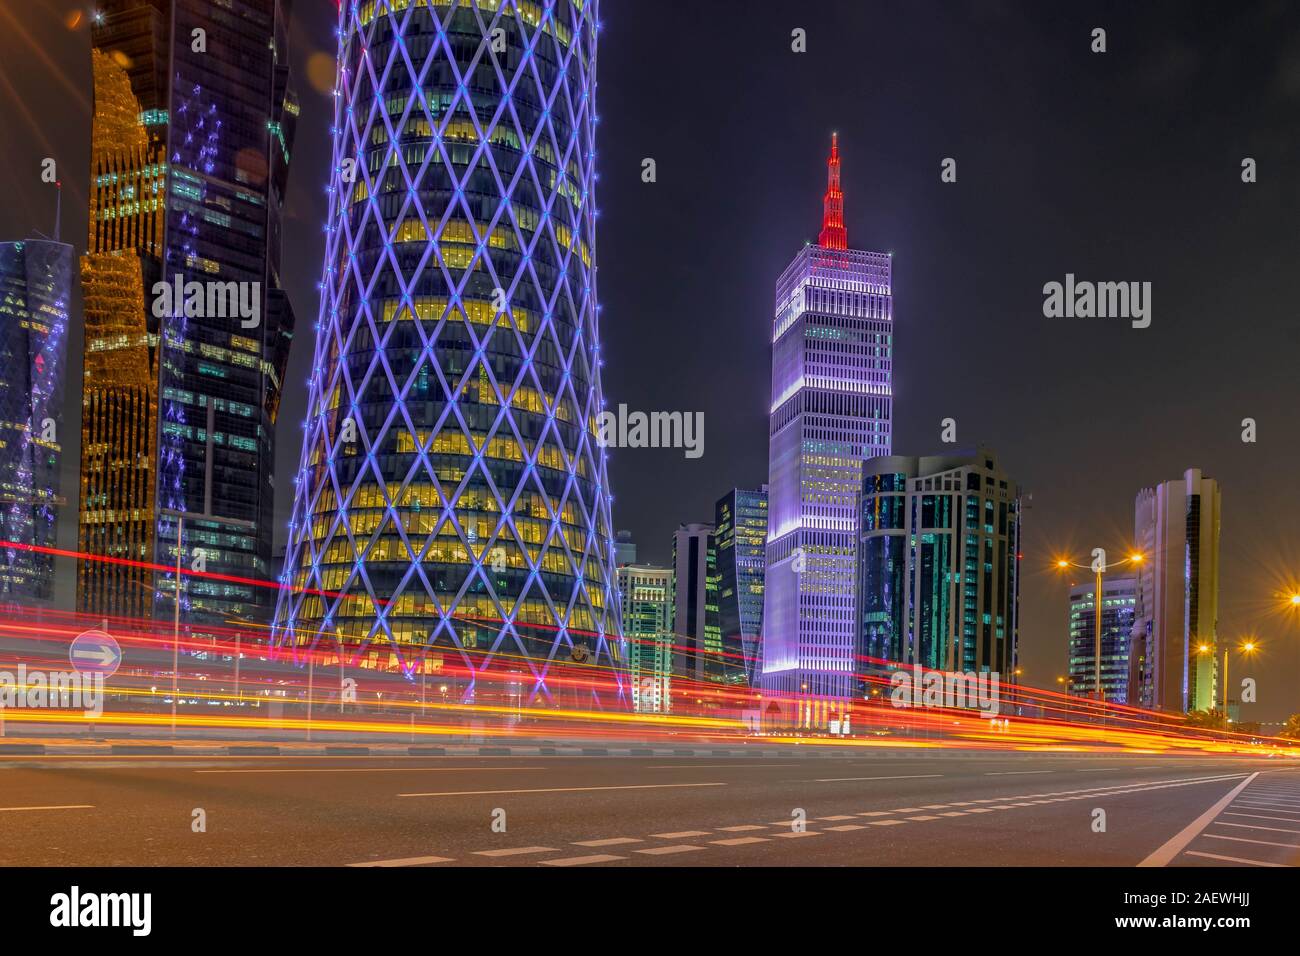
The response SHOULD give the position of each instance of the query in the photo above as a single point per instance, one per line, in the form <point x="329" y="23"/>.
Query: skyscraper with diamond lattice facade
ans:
<point x="452" y="499"/>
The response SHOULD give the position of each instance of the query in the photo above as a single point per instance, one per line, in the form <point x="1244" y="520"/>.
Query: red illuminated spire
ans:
<point x="834" y="234"/>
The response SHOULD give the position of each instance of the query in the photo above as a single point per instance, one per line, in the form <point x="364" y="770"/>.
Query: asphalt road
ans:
<point x="921" y="809"/>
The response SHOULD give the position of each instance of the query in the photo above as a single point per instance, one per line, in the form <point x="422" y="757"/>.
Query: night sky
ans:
<point x="1123" y="166"/>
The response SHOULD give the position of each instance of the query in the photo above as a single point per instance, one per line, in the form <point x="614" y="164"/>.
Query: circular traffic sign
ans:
<point x="94" y="652"/>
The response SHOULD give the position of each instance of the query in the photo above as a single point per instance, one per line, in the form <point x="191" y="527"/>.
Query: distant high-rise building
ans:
<point x="1119" y="597"/>
<point x="740" y="546"/>
<point x="832" y="358"/>
<point x="194" y="117"/>
<point x="647" y="595"/>
<point x="450" y="472"/>
<point x="35" y="294"/>
<point x="624" y="549"/>
<point x="698" y="654"/>
<point x="938" y="563"/>
<point x="1177" y="531"/>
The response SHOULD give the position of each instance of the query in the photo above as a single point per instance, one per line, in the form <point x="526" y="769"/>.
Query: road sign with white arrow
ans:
<point x="95" y="652"/>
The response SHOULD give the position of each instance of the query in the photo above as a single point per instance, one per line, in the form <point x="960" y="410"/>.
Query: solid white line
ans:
<point x="1215" y="836"/>
<point x="411" y="861"/>
<point x="911" y="776"/>
<point x="1180" y="840"/>
<point x="1232" y="859"/>
<point x="483" y="793"/>
<point x="716" y="766"/>
<point x="1251" y="826"/>
<point x="1261" y="816"/>
<point x="71" y="806"/>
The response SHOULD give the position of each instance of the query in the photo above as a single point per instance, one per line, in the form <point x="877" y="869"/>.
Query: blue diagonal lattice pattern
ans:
<point x="452" y="493"/>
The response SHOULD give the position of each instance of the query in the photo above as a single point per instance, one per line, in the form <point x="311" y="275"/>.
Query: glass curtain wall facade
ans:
<point x="193" y="125"/>
<point x="35" y="294"/>
<point x="939" y="567"/>
<point x="452" y="494"/>
<point x="832" y="407"/>
<point x="740" y="541"/>
<point x="1118" y="600"/>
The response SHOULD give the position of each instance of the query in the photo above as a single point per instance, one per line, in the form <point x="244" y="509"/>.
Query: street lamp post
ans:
<point x="1100" y="568"/>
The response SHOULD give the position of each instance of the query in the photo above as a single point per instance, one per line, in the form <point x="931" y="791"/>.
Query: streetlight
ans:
<point x="1100" y="569"/>
<point x="1245" y="648"/>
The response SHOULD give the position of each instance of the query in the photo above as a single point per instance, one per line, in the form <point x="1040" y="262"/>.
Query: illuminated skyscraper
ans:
<point x="1177" y="529"/>
<point x="647" y="594"/>
<point x="1119" y="595"/>
<point x="697" y="640"/>
<point x="452" y="494"/>
<point x="35" y="292"/>
<point x="832" y="347"/>
<point x="938" y="563"/>
<point x="740" y="545"/>
<point x="193" y="124"/>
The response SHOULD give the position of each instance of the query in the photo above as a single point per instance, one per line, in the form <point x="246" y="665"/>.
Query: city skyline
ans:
<point x="1040" y="439"/>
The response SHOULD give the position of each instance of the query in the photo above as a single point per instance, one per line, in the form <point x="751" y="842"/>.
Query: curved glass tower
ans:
<point x="452" y="509"/>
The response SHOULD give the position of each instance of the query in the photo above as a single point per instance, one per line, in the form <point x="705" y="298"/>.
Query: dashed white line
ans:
<point x="665" y="850"/>
<point x="583" y="860"/>
<point x="483" y="793"/>
<point x="516" y="851"/>
<point x="910" y="776"/>
<point x="409" y="861"/>
<point x="70" y="806"/>
<point x="613" y="841"/>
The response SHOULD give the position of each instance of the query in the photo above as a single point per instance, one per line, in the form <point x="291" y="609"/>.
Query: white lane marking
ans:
<point x="682" y="835"/>
<point x="1216" y="836"/>
<point x="887" y="823"/>
<point x="1179" y="841"/>
<point x="373" y="770"/>
<point x="912" y="776"/>
<point x="1292" y="809"/>
<point x="484" y="793"/>
<point x="795" y="836"/>
<point x="717" y="766"/>
<point x="1232" y="859"/>
<point x="583" y="860"/>
<point x="70" y="806"/>
<point x="614" y="841"/>
<point x="517" y="851"/>
<point x="1016" y="773"/>
<point x="739" y="841"/>
<point x="665" y="850"/>
<point x="844" y="828"/>
<point x="1261" y="816"/>
<point x="1251" y="826"/>
<point x="922" y="819"/>
<point x="741" y="829"/>
<point x="410" y="861"/>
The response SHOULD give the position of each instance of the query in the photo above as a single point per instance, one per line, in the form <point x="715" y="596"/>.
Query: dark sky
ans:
<point x="1123" y="166"/>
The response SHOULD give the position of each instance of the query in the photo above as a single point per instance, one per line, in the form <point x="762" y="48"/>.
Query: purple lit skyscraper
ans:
<point x="832" y="406"/>
<point x="452" y="509"/>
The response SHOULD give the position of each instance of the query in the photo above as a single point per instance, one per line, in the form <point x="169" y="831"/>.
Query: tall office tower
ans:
<point x="698" y="654"/>
<point x="647" y="597"/>
<point x="452" y="497"/>
<point x="193" y="123"/>
<point x="832" y="347"/>
<point x="1177" y="529"/>
<point x="1118" y="600"/>
<point x="35" y="292"/>
<point x="939" y="563"/>
<point x="740" y="544"/>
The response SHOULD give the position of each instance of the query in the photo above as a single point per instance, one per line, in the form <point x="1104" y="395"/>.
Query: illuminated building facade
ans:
<point x="832" y="405"/>
<point x="698" y="654"/>
<point x="452" y="498"/>
<point x="1177" y="530"/>
<point x="1118" y="599"/>
<point x="35" y="293"/>
<point x="938" y="563"/>
<point x="740" y="549"/>
<point x="193" y="124"/>
<point x="647" y="600"/>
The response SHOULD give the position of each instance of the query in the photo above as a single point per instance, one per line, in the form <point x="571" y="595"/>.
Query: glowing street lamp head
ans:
<point x="1063" y="564"/>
